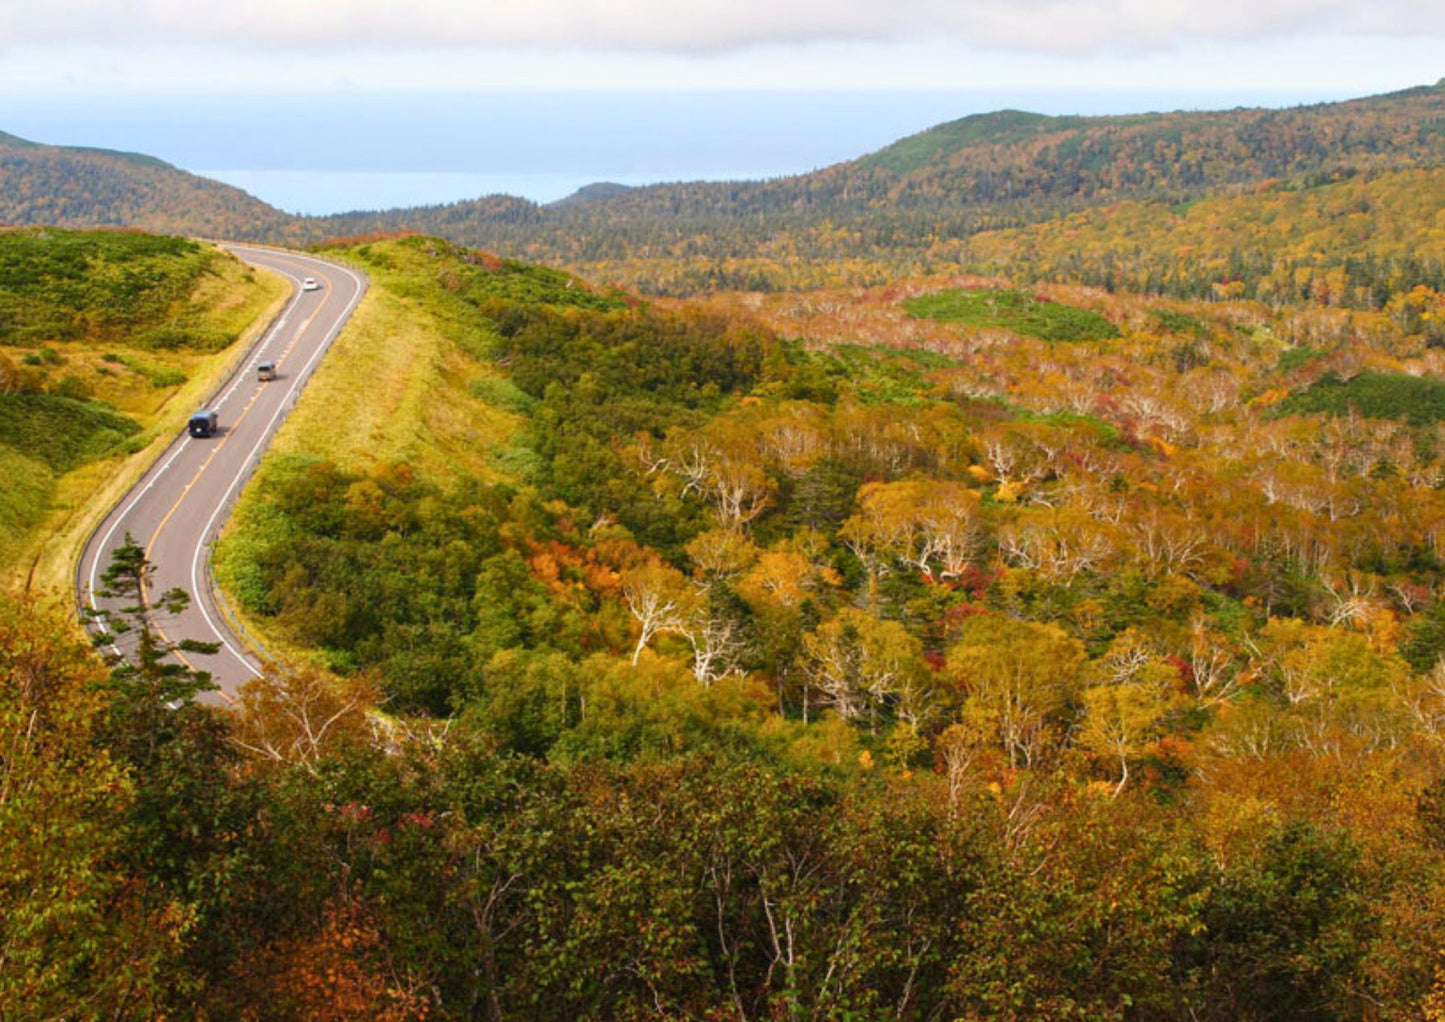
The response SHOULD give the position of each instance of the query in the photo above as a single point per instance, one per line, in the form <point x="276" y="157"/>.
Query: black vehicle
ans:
<point x="203" y="423"/>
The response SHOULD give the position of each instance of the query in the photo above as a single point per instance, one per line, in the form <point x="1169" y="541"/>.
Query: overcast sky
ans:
<point x="1328" y="48"/>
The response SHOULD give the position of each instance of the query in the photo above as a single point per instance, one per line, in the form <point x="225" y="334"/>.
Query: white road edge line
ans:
<point x="180" y="449"/>
<point x="250" y="457"/>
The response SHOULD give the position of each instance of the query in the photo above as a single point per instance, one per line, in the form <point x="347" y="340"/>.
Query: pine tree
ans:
<point x="152" y="672"/>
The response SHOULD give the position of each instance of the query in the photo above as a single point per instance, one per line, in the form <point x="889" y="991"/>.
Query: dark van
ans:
<point x="203" y="423"/>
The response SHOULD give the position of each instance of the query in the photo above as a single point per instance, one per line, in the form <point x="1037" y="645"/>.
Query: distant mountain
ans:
<point x="1008" y="168"/>
<point x="79" y="187"/>
<point x="593" y="192"/>
<point x="1003" y="169"/>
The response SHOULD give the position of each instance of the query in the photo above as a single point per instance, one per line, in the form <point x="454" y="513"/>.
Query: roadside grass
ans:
<point x="28" y="485"/>
<point x="408" y="381"/>
<point x="392" y="389"/>
<point x="44" y="522"/>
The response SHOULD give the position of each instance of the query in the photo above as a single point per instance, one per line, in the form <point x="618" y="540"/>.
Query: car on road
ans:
<point x="203" y="423"/>
<point x="266" y="371"/>
<point x="310" y="284"/>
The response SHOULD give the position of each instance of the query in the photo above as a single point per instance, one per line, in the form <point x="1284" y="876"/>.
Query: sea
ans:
<point x="340" y="150"/>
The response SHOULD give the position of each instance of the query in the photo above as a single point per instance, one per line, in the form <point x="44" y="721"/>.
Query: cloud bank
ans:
<point x="1045" y="27"/>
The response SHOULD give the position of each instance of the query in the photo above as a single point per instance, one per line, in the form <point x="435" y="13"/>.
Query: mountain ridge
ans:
<point x="82" y="186"/>
<point x="1004" y="168"/>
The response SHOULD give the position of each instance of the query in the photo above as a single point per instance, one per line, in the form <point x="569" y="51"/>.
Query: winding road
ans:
<point x="178" y="507"/>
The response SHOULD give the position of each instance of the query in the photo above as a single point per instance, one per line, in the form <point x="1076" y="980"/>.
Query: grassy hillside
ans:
<point x="96" y="287"/>
<point x="105" y="338"/>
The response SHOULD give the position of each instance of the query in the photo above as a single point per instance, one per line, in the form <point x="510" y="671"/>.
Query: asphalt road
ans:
<point x="178" y="507"/>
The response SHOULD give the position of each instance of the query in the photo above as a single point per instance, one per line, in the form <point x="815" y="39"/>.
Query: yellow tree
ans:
<point x="931" y="525"/>
<point x="1017" y="679"/>
<point x="722" y="465"/>
<point x="74" y="941"/>
<point x="1335" y="684"/>
<point x="863" y="666"/>
<point x="294" y="718"/>
<point x="1126" y="707"/>
<point x="660" y="598"/>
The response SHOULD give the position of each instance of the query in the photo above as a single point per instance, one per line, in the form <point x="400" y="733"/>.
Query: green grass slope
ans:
<point x="1018" y="311"/>
<point x="103" y="337"/>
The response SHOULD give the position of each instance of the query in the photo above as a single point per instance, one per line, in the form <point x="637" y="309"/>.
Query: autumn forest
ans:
<point x="835" y="619"/>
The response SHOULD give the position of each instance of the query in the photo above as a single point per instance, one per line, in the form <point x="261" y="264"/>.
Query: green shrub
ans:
<point x="159" y="376"/>
<point x="1179" y="323"/>
<point x="73" y="387"/>
<point x="1418" y="400"/>
<point x="1017" y="311"/>
<point x="61" y="432"/>
<point x="1297" y="357"/>
<point x="503" y="393"/>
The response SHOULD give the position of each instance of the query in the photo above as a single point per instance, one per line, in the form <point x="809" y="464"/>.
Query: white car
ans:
<point x="309" y="284"/>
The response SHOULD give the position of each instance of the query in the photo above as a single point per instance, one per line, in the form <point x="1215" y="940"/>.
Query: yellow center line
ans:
<point x="145" y="599"/>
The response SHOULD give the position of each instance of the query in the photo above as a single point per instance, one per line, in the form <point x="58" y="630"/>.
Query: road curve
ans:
<point x="178" y="507"/>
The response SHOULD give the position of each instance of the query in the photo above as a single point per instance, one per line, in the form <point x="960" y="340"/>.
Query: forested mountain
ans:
<point x="907" y="206"/>
<point x="79" y="187"/>
<point x="992" y="170"/>
<point x="1058" y="635"/>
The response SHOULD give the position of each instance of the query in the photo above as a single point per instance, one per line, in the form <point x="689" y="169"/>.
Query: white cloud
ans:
<point x="1072" y="27"/>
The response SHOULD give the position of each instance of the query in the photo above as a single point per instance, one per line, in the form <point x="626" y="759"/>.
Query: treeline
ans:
<point x="909" y="207"/>
<point x="912" y="203"/>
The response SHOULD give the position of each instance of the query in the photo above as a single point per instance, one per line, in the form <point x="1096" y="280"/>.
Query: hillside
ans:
<point x="968" y="629"/>
<point x="80" y="187"/>
<point x="103" y="335"/>
<point x="1360" y="242"/>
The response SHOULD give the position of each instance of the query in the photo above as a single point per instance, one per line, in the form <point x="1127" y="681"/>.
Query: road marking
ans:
<point x="247" y="463"/>
<point x="186" y="490"/>
<point x="281" y="408"/>
<point x="181" y="447"/>
<point x="230" y="432"/>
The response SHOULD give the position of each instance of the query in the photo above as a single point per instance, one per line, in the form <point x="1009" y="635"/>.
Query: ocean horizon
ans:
<point x="343" y="150"/>
<point x="324" y="192"/>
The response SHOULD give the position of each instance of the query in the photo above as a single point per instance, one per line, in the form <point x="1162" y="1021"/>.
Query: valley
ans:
<point x="999" y="577"/>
